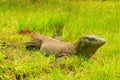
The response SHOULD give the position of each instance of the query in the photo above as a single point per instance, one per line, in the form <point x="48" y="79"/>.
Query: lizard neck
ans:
<point x="84" y="50"/>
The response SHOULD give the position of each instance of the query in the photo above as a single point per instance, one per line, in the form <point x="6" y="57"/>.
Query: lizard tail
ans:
<point x="30" y="33"/>
<point x="25" y="32"/>
<point x="5" y="45"/>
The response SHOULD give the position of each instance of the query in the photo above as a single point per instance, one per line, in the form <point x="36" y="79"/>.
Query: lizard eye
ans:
<point x="88" y="39"/>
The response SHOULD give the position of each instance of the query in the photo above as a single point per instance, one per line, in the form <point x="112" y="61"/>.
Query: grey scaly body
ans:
<point x="86" y="46"/>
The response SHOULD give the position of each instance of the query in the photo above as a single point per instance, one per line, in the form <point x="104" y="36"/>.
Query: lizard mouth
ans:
<point x="97" y="42"/>
<point x="94" y="40"/>
<point x="88" y="45"/>
<point x="102" y="41"/>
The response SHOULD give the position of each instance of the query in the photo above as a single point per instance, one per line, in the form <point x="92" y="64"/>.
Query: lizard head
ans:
<point x="88" y="45"/>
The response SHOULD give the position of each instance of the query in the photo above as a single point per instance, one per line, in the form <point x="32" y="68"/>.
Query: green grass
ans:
<point x="77" y="19"/>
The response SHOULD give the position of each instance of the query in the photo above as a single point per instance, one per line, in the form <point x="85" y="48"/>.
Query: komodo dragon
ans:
<point x="86" y="45"/>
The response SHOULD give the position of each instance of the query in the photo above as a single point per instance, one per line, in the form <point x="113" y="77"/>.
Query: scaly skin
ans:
<point x="86" y="46"/>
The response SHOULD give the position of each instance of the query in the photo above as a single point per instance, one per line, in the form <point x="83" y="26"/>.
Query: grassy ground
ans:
<point x="76" y="19"/>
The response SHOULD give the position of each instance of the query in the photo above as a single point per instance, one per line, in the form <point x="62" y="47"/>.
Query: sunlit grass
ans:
<point x="76" y="19"/>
